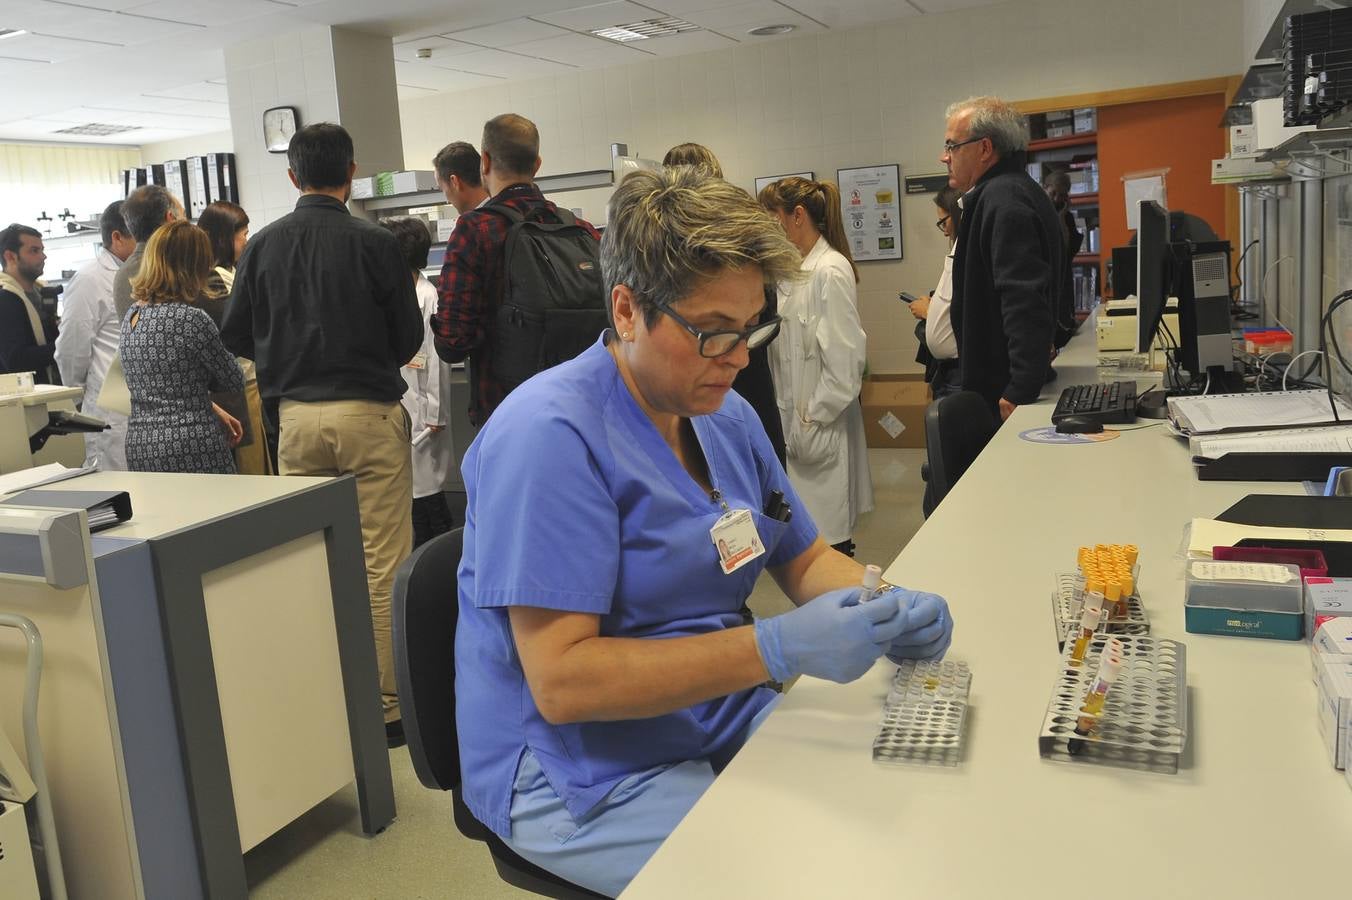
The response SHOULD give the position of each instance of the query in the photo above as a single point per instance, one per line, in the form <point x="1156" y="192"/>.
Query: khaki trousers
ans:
<point x="369" y="440"/>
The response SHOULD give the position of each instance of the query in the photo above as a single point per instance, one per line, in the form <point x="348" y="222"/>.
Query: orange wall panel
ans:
<point x="1183" y="135"/>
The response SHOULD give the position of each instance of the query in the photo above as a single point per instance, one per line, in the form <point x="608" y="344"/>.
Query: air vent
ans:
<point x="1209" y="267"/>
<point x="97" y="129"/>
<point x="648" y="28"/>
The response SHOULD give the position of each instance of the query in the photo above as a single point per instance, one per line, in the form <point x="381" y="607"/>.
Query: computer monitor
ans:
<point x="1153" y="262"/>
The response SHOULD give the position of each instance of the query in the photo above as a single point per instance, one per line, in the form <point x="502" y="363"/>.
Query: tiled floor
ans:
<point x="325" y="855"/>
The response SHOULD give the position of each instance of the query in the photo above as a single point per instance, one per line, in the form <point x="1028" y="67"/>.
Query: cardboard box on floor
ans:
<point x="894" y="411"/>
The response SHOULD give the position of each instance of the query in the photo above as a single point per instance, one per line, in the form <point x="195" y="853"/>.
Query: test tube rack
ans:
<point x="925" y="714"/>
<point x="1135" y="623"/>
<point x="1144" y="722"/>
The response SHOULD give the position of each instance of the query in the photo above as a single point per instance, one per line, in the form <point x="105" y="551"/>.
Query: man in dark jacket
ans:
<point x="27" y="333"/>
<point x="324" y="305"/>
<point x="1009" y="258"/>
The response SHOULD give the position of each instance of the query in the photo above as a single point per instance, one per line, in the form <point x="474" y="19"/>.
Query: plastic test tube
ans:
<point x="873" y="576"/>
<point x="1109" y="666"/>
<point x="1114" y="605"/>
<point x="1089" y="623"/>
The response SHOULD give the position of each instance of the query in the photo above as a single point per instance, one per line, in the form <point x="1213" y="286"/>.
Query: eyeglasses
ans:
<point x="713" y="344"/>
<point x="950" y="146"/>
<point x="943" y="223"/>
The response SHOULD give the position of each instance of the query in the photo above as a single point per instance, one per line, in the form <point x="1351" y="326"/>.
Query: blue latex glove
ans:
<point x="832" y="636"/>
<point x="929" y="626"/>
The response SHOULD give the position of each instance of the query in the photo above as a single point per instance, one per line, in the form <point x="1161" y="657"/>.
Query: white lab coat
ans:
<point x="818" y="368"/>
<point x="86" y="346"/>
<point x="426" y="376"/>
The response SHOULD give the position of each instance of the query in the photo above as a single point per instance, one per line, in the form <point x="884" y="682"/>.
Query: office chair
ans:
<point x="957" y="429"/>
<point x="425" y="609"/>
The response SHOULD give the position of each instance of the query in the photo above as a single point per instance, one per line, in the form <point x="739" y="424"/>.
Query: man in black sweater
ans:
<point x="1009" y="258"/>
<point x="322" y="302"/>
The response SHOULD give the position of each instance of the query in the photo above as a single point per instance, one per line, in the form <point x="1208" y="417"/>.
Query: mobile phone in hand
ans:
<point x="906" y="298"/>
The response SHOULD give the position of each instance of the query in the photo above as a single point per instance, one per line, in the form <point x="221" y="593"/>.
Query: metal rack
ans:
<point x="1144" y="723"/>
<point x="925" y="714"/>
<point x="1135" y="622"/>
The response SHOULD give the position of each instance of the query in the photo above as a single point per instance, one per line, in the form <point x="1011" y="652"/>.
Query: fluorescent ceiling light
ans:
<point x="97" y="129"/>
<point x="648" y="28"/>
<point x="11" y="32"/>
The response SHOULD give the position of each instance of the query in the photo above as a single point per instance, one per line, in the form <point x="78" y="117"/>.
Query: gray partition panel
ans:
<point x="180" y="560"/>
<point x="156" y="780"/>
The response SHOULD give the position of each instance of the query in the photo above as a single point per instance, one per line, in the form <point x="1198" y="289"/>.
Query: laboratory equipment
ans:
<point x="925" y="714"/>
<point x="1144" y="721"/>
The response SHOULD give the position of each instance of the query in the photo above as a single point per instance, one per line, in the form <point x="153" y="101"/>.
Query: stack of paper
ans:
<point x="1326" y="439"/>
<point x="1217" y="413"/>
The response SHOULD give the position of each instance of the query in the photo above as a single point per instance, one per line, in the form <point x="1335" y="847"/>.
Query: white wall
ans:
<point x="851" y="98"/>
<point x="197" y="145"/>
<point x="294" y="69"/>
<point x="1258" y="18"/>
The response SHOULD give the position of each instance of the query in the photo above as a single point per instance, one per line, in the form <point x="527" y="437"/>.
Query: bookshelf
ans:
<point x="1067" y="140"/>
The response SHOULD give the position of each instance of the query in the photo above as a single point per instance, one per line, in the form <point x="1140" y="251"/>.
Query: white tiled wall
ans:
<point x="294" y="69"/>
<point x="852" y="98"/>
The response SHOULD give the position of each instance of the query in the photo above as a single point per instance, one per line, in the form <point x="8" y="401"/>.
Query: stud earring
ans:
<point x="624" y="335"/>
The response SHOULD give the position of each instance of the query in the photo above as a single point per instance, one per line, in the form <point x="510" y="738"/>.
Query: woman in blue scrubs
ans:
<point x="621" y="506"/>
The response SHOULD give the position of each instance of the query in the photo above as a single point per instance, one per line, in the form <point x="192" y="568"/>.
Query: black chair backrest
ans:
<point x="957" y="429"/>
<point x="426" y="606"/>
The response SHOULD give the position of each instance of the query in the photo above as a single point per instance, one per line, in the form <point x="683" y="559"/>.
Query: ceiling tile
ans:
<point x="61" y="20"/>
<point x="137" y="103"/>
<point x="505" y="34"/>
<point x="584" y="50"/>
<point x="741" y="16"/>
<point x="202" y="90"/>
<point x="205" y="12"/>
<point x="439" y="79"/>
<point x="604" y="15"/>
<point x="689" y="42"/>
<point x="507" y="65"/>
<point x="442" y="48"/>
<point x="40" y="48"/>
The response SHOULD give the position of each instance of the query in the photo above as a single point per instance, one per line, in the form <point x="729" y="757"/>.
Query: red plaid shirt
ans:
<point x="471" y="287"/>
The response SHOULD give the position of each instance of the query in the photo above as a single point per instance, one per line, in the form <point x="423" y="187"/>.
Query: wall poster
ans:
<point x="870" y="201"/>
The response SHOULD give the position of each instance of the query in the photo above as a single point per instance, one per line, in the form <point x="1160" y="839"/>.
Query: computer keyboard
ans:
<point x="1111" y="404"/>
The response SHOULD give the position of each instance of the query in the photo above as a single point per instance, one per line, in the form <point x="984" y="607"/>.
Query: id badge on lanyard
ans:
<point x="736" y="538"/>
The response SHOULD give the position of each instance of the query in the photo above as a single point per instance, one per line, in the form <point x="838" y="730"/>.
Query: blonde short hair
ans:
<point x="175" y="265"/>
<point x="667" y="231"/>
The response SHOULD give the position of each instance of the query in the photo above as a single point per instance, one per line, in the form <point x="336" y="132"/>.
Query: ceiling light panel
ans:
<point x="602" y="15"/>
<point x="96" y="129"/>
<point x="642" y="31"/>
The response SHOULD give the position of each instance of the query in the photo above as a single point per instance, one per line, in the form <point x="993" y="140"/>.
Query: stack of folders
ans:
<point x="1274" y="436"/>
<point x="103" y="508"/>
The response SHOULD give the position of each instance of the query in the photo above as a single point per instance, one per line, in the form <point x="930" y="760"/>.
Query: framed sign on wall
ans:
<point x="870" y="205"/>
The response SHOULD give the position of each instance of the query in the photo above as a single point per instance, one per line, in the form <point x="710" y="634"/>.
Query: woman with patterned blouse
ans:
<point x="173" y="359"/>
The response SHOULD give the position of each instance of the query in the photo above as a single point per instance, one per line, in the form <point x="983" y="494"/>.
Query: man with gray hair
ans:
<point x="1009" y="257"/>
<point x="145" y="210"/>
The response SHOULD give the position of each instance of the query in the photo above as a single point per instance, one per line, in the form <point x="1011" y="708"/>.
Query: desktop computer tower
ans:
<point x="1202" y="284"/>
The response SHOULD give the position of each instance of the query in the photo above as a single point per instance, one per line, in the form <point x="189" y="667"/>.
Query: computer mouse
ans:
<point x="1079" y="425"/>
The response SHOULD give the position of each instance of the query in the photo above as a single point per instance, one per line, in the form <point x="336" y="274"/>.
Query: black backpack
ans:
<point x="553" y="301"/>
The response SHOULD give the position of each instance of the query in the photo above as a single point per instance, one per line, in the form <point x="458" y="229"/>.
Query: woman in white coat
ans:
<point x="425" y="375"/>
<point x="818" y="361"/>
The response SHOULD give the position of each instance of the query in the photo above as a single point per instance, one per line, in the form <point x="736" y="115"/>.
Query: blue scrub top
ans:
<point x="576" y="503"/>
